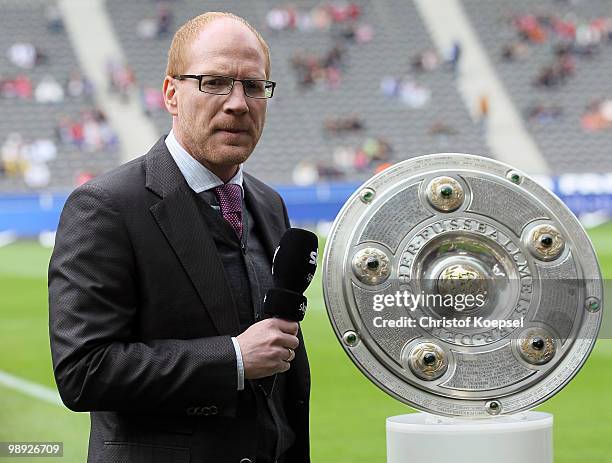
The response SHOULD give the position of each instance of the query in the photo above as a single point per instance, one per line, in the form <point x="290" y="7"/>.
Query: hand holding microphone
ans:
<point x="268" y="346"/>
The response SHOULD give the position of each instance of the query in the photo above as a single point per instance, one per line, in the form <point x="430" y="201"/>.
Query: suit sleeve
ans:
<point x="99" y="364"/>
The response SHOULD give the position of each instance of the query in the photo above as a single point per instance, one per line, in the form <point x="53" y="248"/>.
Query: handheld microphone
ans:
<point x="293" y="267"/>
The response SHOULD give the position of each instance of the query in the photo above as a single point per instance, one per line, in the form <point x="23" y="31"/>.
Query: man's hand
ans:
<point x="267" y="347"/>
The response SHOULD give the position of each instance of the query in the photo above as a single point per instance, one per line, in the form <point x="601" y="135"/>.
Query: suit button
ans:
<point x="246" y="460"/>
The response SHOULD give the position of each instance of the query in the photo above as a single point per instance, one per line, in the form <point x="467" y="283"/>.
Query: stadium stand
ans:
<point x="303" y="119"/>
<point x="36" y="24"/>
<point x="556" y="110"/>
<point x="297" y="115"/>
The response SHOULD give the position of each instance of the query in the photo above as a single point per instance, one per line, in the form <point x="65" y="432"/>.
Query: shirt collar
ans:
<point x="198" y="177"/>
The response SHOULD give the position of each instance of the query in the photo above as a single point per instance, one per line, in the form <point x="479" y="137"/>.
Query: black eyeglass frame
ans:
<point x="199" y="78"/>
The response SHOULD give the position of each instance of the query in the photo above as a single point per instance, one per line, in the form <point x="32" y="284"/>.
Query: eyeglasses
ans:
<point x="223" y="85"/>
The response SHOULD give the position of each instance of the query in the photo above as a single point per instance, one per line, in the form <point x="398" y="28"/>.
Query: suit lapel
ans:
<point x="179" y="218"/>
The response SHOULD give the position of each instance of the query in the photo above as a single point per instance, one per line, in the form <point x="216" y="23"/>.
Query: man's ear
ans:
<point x="170" y="98"/>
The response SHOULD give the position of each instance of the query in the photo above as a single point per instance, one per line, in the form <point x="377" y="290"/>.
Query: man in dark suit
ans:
<point x="158" y="274"/>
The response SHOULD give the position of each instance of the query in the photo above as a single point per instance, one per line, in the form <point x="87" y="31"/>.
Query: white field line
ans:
<point x="26" y="387"/>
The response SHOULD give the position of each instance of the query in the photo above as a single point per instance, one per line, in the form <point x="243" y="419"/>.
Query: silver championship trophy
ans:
<point x="463" y="288"/>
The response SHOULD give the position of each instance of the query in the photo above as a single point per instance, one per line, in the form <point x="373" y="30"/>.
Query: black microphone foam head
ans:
<point x="295" y="260"/>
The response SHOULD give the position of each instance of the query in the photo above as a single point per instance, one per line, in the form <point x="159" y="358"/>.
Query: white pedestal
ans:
<point x="425" y="438"/>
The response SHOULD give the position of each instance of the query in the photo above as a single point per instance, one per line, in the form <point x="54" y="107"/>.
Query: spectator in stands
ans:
<point x="406" y="90"/>
<point x="91" y="132"/>
<point x="515" y="51"/>
<point x="442" y="132"/>
<point x="164" y="19"/>
<point x="311" y="69"/>
<point x="41" y="150"/>
<point x="92" y="135"/>
<point x="425" y="61"/>
<point x="49" y="90"/>
<point x="28" y="160"/>
<point x="37" y="175"/>
<point x="159" y="26"/>
<point x="305" y="173"/>
<point x="79" y="86"/>
<point x="63" y="131"/>
<point x="279" y="19"/>
<point x="390" y="86"/>
<point x="556" y="74"/>
<point x="328" y="171"/>
<point x="454" y="56"/>
<point x="25" y="55"/>
<point x="147" y="28"/>
<point x="356" y="33"/>
<point x="97" y="133"/>
<point x="121" y="78"/>
<point x="109" y="136"/>
<point x="55" y="22"/>
<point x="12" y="152"/>
<point x="320" y="18"/>
<point x="529" y="28"/>
<point x="364" y="158"/>
<point x="152" y="100"/>
<point x="382" y="166"/>
<point x="414" y="94"/>
<point x="361" y="163"/>
<point x="544" y="114"/>
<point x="597" y="116"/>
<point x="337" y="125"/>
<point x="483" y="112"/>
<point x="19" y="87"/>
<point x="343" y="11"/>
<point x="377" y="149"/>
<point x="83" y="177"/>
<point x="343" y="157"/>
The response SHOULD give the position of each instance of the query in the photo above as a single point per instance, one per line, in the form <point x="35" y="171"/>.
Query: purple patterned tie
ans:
<point x="229" y="196"/>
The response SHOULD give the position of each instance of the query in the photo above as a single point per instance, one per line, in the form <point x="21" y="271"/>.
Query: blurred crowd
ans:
<point x="27" y="154"/>
<point x="27" y="159"/>
<point x="48" y="89"/>
<point x="320" y="18"/>
<point x="89" y="132"/>
<point x="575" y="43"/>
<point x="158" y="25"/>
<point x="340" y="22"/>
<point x="371" y="154"/>
<point x="598" y="116"/>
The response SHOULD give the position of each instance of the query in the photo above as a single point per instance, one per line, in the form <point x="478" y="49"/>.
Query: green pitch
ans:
<point x="348" y="412"/>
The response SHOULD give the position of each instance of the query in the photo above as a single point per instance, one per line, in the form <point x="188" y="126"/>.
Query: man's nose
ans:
<point x="236" y="101"/>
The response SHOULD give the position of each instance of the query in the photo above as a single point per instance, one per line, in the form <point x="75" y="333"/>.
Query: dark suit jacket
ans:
<point x="141" y="315"/>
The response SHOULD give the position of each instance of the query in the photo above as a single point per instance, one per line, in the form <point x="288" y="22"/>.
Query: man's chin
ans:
<point x="233" y="155"/>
